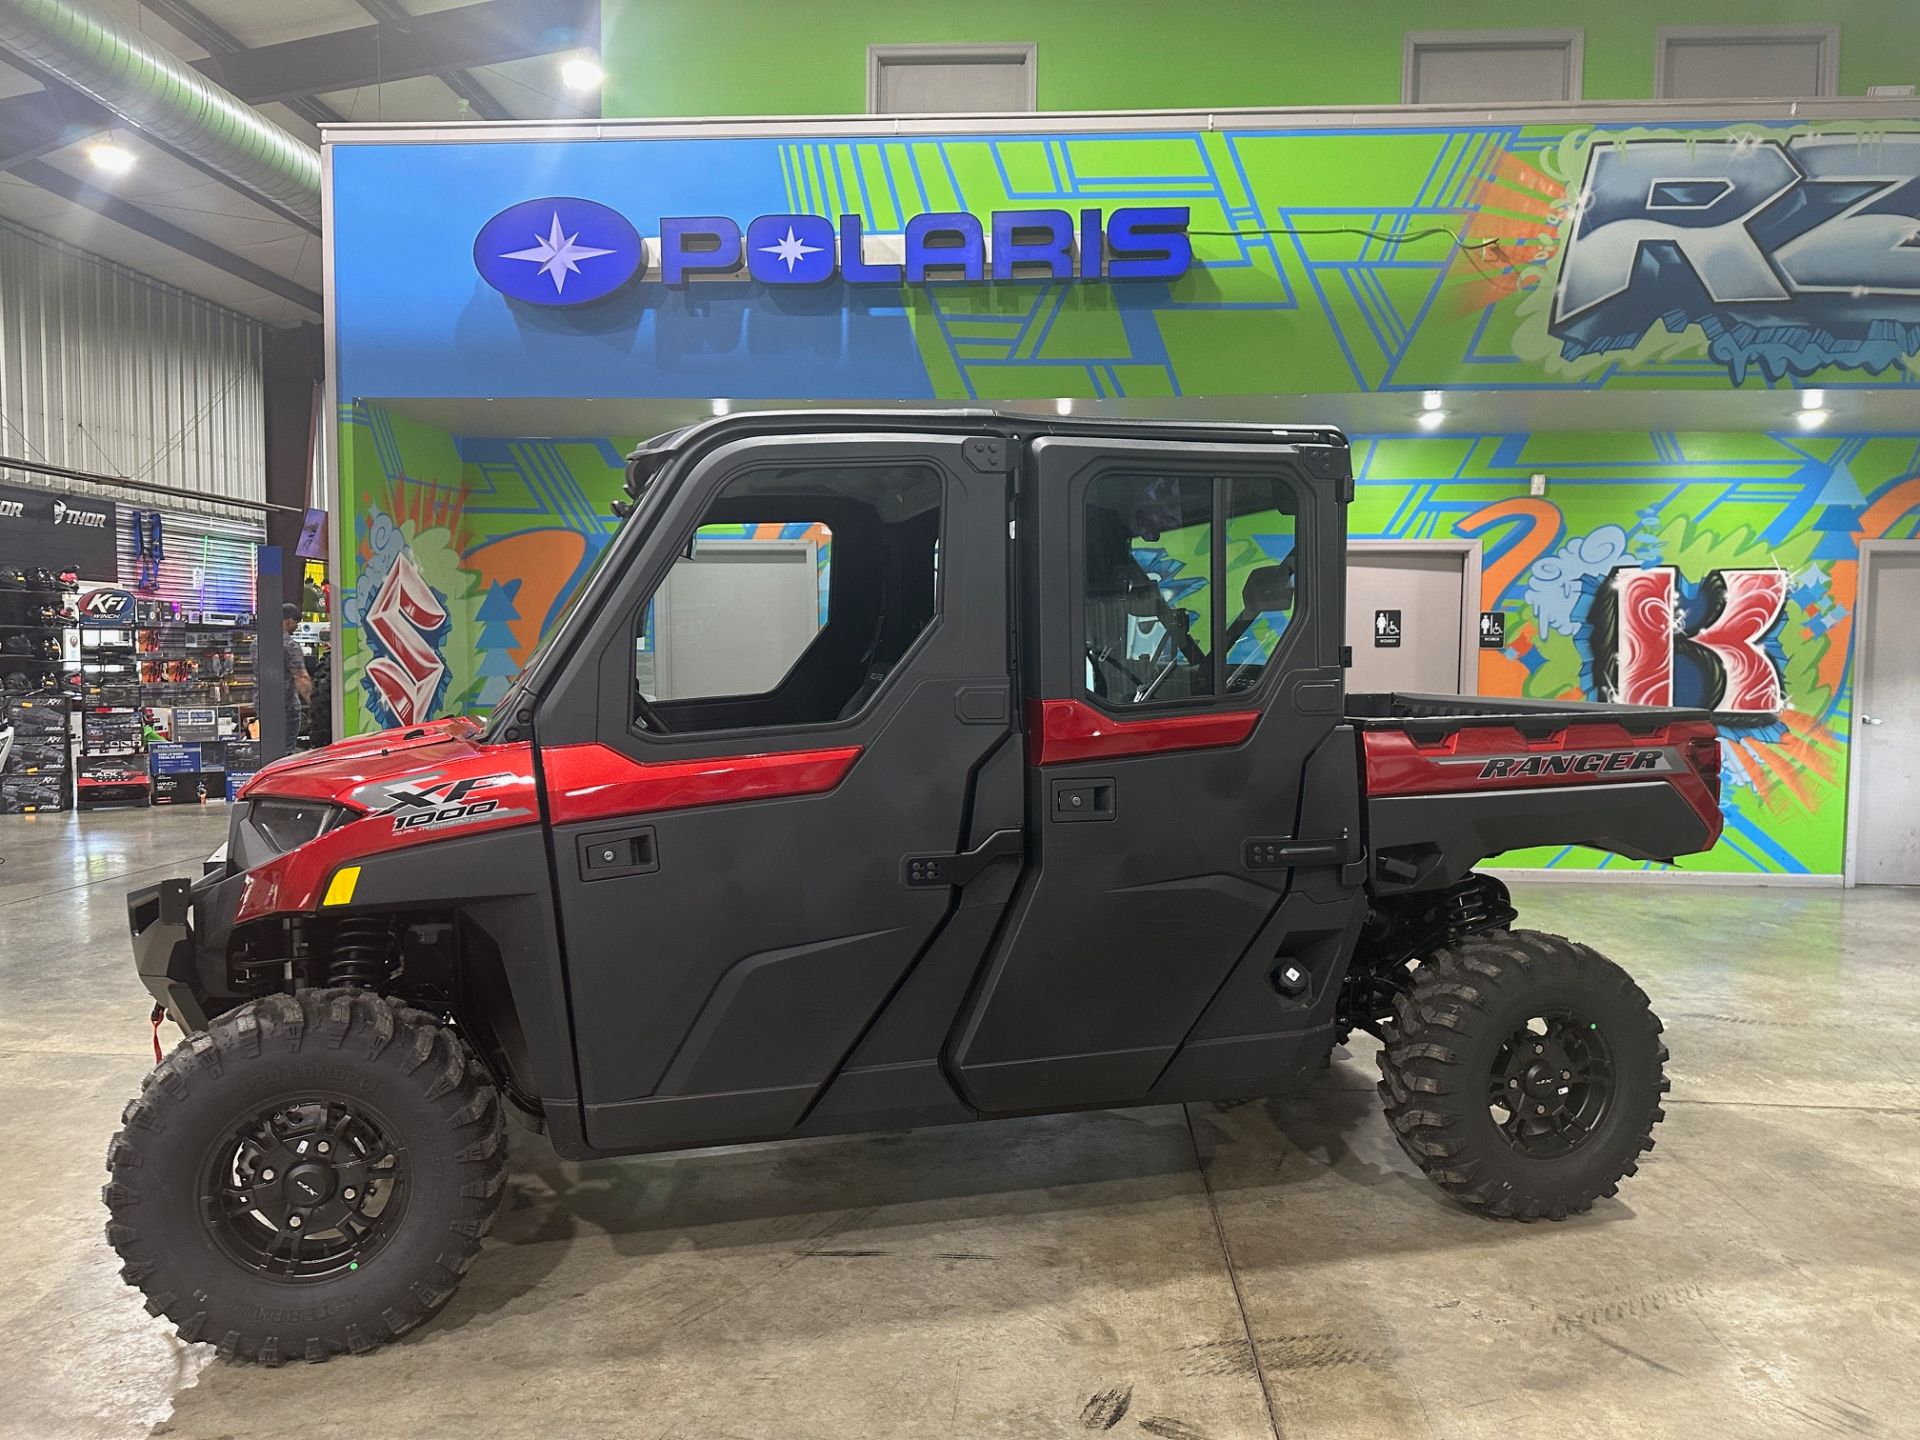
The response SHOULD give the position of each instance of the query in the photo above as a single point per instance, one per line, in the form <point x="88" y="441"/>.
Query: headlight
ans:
<point x="285" y="824"/>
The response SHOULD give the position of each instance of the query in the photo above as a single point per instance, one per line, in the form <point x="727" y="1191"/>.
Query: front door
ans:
<point x="731" y="838"/>
<point x="1180" y="645"/>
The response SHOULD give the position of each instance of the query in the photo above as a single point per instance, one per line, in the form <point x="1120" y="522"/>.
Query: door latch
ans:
<point x="925" y="871"/>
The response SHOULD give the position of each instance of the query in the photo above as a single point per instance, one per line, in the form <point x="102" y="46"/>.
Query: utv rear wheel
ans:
<point x="1523" y="1073"/>
<point x="311" y="1175"/>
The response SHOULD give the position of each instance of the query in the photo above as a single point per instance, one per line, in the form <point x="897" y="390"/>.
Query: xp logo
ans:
<point x="65" y="514"/>
<point x="446" y="802"/>
<point x="558" y="251"/>
<point x="1788" y="255"/>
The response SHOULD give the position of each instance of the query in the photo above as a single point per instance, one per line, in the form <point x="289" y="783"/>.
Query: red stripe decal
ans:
<point x="594" y="782"/>
<point x="1063" y="730"/>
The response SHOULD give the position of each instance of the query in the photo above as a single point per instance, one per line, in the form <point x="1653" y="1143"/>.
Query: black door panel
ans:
<point x="717" y="993"/>
<point x="1143" y="900"/>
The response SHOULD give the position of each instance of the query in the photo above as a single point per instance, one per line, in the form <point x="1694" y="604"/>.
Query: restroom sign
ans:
<point x="1493" y="629"/>
<point x="1386" y="629"/>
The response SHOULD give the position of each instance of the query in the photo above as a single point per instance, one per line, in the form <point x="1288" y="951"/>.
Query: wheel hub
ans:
<point x="305" y="1190"/>
<point x="1551" y="1084"/>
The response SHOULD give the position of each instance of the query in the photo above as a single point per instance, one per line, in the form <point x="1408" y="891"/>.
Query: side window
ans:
<point x="1261" y="575"/>
<point x="1158" y="626"/>
<point x="793" y="600"/>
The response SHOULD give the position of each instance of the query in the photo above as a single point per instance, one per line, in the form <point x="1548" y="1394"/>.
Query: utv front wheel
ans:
<point x="1523" y="1073"/>
<point x="311" y="1175"/>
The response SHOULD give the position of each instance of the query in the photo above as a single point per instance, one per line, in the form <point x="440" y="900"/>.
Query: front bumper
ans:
<point x="180" y="930"/>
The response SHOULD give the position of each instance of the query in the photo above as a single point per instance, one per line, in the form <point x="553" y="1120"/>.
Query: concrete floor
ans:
<point x="1256" y="1270"/>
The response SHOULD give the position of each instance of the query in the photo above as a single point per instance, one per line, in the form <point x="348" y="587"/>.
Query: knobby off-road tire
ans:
<point x="1521" y="1017"/>
<point x="278" y="1081"/>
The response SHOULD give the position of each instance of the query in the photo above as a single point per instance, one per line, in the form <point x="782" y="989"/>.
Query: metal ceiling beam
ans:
<point x="488" y="33"/>
<point x="480" y="100"/>
<point x="124" y="212"/>
<point x="215" y="39"/>
<point x="43" y="121"/>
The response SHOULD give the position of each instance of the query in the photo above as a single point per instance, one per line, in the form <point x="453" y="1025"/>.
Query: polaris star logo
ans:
<point x="564" y="251"/>
<point x="11" y="509"/>
<point x="1583" y="762"/>
<point x="65" y="514"/>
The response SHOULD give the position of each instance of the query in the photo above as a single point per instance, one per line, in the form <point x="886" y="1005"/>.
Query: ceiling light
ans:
<point x="581" y="72"/>
<point x="1432" y="400"/>
<point x="721" y="407"/>
<point x="1813" y="399"/>
<point x="1812" y="419"/>
<point x="1432" y="419"/>
<point x="1063" y="407"/>
<point x="112" y="158"/>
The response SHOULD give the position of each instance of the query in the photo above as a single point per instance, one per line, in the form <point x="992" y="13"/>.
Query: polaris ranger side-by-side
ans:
<point x="889" y="770"/>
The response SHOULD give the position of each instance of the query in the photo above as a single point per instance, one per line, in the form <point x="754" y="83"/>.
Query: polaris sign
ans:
<point x="565" y="251"/>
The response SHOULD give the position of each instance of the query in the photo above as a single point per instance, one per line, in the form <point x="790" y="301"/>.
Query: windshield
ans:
<point x="643" y="467"/>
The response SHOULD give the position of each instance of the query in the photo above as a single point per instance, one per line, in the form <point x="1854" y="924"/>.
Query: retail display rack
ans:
<point x="166" y="698"/>
<point x="38" y="647"/>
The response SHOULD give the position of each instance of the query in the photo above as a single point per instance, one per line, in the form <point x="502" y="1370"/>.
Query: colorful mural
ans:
<point x="496" y="534"/>
<point x="1574" y="257"/>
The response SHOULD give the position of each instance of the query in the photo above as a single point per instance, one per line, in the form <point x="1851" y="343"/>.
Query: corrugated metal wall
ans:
<point x="104" y="370"/>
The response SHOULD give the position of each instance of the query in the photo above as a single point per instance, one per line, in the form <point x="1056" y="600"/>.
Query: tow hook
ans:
<point x="159" y="1014"/>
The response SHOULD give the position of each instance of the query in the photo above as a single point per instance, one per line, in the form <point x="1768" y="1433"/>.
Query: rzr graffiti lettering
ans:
<point x="1791" y="255"/>
<point x="1717" y="648"/>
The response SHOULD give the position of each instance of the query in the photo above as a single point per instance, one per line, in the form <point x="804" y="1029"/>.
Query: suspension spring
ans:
<point x="363" y="952"/>
<point x="1477" y="903"/>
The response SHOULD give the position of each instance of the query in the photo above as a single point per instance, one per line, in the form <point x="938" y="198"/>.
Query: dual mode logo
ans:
<point x="565" y="251"/>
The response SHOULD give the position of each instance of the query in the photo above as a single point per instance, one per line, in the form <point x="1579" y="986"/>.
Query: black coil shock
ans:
<point x="363" y="952"/>
<point x="1477" y="903"/>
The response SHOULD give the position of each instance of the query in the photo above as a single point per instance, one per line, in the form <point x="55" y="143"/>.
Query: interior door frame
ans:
<point x="1870" y="550"/>
<point x="1469" y="551"/>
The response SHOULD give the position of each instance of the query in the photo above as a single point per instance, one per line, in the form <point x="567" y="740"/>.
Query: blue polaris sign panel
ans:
<point x="561" y="251"/>
<point x="558" y="251"/>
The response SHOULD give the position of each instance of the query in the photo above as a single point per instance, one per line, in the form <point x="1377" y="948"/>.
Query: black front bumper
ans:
<point x="180" y="930"/>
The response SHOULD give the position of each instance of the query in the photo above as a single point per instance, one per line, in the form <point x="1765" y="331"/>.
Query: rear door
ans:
<point x="732" y="824"/>
<point x="1181" y="634"/>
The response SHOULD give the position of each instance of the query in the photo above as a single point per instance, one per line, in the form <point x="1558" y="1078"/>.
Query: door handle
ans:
<point x="608" y="853"/>
<point x="1871" y="720"/>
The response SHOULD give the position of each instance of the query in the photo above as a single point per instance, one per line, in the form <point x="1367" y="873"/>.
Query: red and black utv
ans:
<point x="889" y="770"/>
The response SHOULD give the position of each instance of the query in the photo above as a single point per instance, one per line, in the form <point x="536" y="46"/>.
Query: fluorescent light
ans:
<point x="1812" y="419"/>
<point x="1063" y="407"/>
<point x="581" y="72"/>
<point x="112" y="158"/>
<point x="1813" y="399"/>
<point x="1432" y="419"/>
<point x="1432" y="400"/>
<point x="721" y="407"/>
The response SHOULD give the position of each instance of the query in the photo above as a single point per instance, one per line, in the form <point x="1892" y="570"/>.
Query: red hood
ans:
<point x="337" y="770"/>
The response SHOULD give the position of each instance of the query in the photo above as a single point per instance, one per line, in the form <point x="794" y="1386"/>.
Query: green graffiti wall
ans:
<point x="501" y="531"/>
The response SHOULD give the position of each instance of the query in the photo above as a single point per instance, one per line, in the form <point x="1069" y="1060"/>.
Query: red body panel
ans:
<point x="1064" y="730"/>
<point x="593" y="782"/>
<point x="1485" y="759"/>
<point x="409" y="792"/>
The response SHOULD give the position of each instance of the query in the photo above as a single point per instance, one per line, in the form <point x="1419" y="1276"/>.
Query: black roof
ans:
<point x="1011" y="423"/>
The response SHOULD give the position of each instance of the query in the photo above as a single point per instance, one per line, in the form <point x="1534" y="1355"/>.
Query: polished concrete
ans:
<point x="1254" y="1270"/>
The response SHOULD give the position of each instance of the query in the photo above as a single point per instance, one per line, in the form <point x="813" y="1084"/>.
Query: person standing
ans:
<point x="299" y="683"/>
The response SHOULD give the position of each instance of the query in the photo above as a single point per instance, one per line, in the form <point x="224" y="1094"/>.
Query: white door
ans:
<point x="1886" y="722"/>
<point x="1407" y="618"/>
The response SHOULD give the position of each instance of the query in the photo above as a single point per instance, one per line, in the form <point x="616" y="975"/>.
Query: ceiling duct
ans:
<point x="163" y="96"/>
